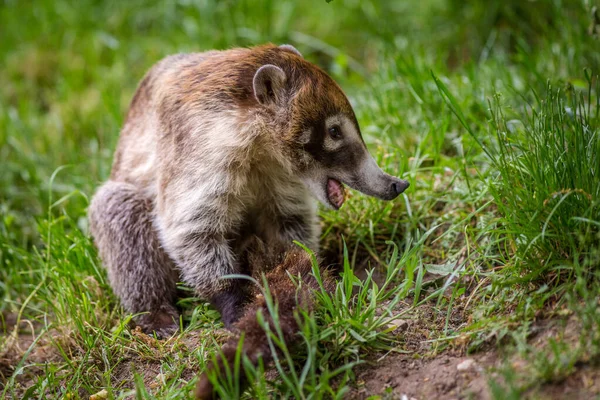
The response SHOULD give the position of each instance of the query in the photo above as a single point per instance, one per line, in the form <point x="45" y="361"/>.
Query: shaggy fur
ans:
<point x="290" y="298"/>
<point x="129" y="246"/>
<point x="220" y="156"/>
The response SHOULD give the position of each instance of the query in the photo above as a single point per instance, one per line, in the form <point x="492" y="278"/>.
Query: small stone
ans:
<point x="466" y="365"/>
<point x="159" y="380"/>
<point x="399" y="325"/>
<point x="101" y="395"/>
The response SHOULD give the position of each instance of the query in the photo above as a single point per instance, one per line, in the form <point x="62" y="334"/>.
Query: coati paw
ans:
<point x="231" y="303"/>
<point x="163" y="324"/>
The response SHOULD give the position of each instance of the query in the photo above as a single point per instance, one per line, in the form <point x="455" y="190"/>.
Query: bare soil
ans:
<point x="400" y="376"/>
<point x="425" y="373"/>
<point x="446" y="374"/>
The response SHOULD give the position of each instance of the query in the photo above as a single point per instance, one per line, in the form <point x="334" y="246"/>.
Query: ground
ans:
<point x="481" y="281"/>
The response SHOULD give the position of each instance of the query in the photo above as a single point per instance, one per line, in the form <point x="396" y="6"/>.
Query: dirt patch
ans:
<point x="446" y="376"/>
<point x="22" y="344"/>
<point x="429" y="369"/>
<point x="423" y="373"/>
<point x="453" y="376"/>
<point x="426" y="371"/>
<point x="583" y="384"/>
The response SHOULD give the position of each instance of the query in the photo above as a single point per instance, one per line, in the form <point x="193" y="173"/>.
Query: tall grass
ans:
<point x="546" y="186"/>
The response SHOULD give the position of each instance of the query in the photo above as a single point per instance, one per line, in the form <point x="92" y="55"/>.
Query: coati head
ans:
<point x="317" y="124"/>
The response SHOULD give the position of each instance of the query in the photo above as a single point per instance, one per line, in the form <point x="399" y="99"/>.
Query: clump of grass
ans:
<point x="546" y="162"/>
<point x="548" y="188"/>
<point x="564" y="346"/>
<point x="353" y="320"/>
<point x="546" y="185"/>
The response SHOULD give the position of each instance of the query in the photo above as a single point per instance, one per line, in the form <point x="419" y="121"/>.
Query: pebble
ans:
<point x="466" y="365"/>
<point x="398" y="325"/>
<point x="101" y="395"/>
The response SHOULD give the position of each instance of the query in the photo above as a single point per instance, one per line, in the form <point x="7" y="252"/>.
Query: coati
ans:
<point x="220" y="157"/>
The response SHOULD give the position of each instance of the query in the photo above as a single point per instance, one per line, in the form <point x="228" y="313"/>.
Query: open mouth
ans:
<point x="336" y="194"/>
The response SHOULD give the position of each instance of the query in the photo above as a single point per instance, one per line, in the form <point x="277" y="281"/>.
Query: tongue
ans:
<point x="335" y="192"/>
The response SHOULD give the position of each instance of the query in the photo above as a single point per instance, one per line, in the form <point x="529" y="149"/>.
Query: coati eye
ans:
<point x="335" y="132"/>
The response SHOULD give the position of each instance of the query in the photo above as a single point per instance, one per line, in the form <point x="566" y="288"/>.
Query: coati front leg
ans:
<point x="139" y="271"/>
<point x="202" y="252"/>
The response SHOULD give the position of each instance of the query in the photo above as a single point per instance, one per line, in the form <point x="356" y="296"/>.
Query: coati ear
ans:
<point x="291" y="49"/>
<point x="269" y="84"/>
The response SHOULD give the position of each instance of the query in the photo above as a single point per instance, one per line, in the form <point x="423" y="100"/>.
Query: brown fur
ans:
<point x="131" y="231"/>
<point x="219" y="159"/>
<point x="183" y="85"/>
<point x="289" y="297"/>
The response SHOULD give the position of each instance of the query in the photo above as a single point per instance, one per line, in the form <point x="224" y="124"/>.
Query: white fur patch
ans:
<point x="348" y="130"/>
<point x="229" y="174"/>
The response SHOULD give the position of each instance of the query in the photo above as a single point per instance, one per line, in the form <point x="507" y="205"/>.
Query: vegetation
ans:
<point x="492" y="111"/>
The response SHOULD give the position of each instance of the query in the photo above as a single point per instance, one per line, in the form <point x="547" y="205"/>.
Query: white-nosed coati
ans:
<point x="223" y="152"/>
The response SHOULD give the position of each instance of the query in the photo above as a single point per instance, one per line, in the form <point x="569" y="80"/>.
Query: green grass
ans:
<point x="491" y="111"/>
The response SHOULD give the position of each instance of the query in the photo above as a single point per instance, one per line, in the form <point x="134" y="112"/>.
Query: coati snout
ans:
<point x="317" y="123"/>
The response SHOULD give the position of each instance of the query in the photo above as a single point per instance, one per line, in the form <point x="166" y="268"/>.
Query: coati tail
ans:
<point x="287" y="297"/>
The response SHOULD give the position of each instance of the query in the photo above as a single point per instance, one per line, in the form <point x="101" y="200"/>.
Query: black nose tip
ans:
<point x="400" y="186"/>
